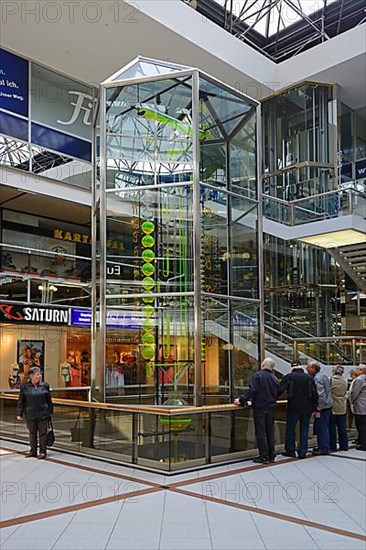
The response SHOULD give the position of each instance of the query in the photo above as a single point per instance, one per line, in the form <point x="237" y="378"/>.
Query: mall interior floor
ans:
<point x="68" y="501"/>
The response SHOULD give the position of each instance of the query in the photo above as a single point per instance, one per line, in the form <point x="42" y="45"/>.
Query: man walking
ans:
<point x="302" y="400"/>
<point x="262" y="392"/>
<point x="324" y="407"/>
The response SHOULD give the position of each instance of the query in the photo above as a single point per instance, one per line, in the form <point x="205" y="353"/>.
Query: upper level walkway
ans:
<point x="69" y="501"/>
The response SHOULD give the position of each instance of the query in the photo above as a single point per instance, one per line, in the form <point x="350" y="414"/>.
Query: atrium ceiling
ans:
<point x="283" y="28"/>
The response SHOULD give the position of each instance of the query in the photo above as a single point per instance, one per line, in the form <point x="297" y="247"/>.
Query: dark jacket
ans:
<point x="263" y="391"/>
<point x="35" y="402"/>
<point x="302" y="396"/>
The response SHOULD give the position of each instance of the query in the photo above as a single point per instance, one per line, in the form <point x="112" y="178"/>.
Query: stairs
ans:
<point x="352" y="259"/>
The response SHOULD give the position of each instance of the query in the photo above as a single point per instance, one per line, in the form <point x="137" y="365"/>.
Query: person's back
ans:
<point x="302" y="400"/>
<point x="301" y="391"/>
<point x="262" y="392"/>
<point x="339" y="394"/>
<point x="263" y="388"/>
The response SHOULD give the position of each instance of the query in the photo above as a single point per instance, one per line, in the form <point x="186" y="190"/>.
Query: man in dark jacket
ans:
<point x="262" y="392"/>
<point x="302" y="400"/>
<point x="35" y="404"/>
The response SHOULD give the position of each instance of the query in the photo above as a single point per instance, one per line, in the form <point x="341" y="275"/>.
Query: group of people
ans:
<point x="309" y="394"/>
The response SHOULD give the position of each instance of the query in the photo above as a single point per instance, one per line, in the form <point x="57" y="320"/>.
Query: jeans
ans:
<point x="264" y="432"/>
<point x="322" y="430"/>
<point x="290" y="444"/>
<point x="338" y="422"/>
<point x="34" y="427"/>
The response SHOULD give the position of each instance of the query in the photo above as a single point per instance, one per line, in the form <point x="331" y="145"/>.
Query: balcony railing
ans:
<point x="320" y="207"/>
<point x="43" y="276"/>
<point x="160" y="438"/>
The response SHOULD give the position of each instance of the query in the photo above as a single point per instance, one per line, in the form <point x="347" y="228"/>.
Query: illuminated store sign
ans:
<point x="10" y="313"/>
<point x="115" y="319"/>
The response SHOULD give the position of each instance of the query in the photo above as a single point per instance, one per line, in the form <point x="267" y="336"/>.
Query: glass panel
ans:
<point x="221" y="111"/>
<point x="360" y="131"/>
<point x="146" y="68"/>
<point x="150" y="348"/>
<point x="244" y="254"/>
<point x="149" y="241"/>
<point x="149" y="133"/>
<point x="298" y="128"/>
<point x="242" y="161"/>
<point x="12" y="287"/>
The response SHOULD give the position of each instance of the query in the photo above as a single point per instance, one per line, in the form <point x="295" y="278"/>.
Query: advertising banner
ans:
<point x="13" y="83"/>
<point x="61" y="103"/>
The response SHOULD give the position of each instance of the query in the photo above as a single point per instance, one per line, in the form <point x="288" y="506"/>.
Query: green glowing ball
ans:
<point x="148" y="255"/>
<point x="148" y="270"/>
<point x="148" y="227"/>
<point x="148" y="311"/>
<point x="148" y="283"/>
<point x="148" y="299"/>
<point x="148" y="325"/>
<point x="148" y="338"/>
<point x="147" y="353"/>
<point x="148" y="241"/>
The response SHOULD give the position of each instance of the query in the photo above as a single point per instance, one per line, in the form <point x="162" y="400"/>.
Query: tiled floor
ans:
<point x="68" y="502"/>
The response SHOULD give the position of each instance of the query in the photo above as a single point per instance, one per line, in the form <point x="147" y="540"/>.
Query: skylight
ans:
<point x="268" y="17"/>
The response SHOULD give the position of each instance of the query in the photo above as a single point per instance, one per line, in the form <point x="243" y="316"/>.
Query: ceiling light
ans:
<point x="336" y="239"/>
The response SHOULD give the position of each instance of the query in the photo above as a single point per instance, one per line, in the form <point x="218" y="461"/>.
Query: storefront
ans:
<point x="43" y="260"/>
<point x="42" y="336"/>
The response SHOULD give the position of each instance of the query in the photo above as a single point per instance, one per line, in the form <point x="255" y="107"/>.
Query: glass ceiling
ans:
<point x="271" y="16"/>
<point x="280" y="29"/>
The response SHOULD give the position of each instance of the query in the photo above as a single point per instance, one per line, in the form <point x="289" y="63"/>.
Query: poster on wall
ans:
<point x="13" y="83"/>
<point x="30" y="353"/>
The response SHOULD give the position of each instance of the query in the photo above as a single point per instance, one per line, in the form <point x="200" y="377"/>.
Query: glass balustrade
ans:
<point x="41" y="276"/>
<point x="315" y="208"/>
<point x="165" y="438"/>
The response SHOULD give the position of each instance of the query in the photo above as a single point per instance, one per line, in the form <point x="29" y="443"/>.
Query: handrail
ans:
<point x="267" y="313"/>
<point x="146" y="409"/>
<point x="314" y="338"/>
<point x="76" y="388"/>
<point x="318" y="195"/>
<point x="334" y="192"/>
<point x="28" y="250"/>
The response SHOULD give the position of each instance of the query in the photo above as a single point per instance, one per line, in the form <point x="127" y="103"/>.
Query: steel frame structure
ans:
<point x="311" y="29"/>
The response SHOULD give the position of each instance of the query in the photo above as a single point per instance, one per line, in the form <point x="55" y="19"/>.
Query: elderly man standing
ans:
<point x="302" y="401"/>
<point x="324" y="407"/>
<point x="262" y="392"/>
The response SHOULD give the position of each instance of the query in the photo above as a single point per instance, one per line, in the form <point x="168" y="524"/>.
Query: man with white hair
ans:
<point x="262" y="392"/>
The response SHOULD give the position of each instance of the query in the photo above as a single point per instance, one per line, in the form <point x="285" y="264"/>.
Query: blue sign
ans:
<point x="80" y="318"/>
<point x="13" y="83"/>
<point x="115" y="319"/>
<point x="361" y="169"/>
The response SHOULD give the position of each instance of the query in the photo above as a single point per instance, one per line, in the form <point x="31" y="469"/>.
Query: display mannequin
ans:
<point x="65" y="372"/>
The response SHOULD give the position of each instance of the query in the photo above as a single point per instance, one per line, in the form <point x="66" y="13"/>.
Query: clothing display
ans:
<point x="65" y="372"/>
